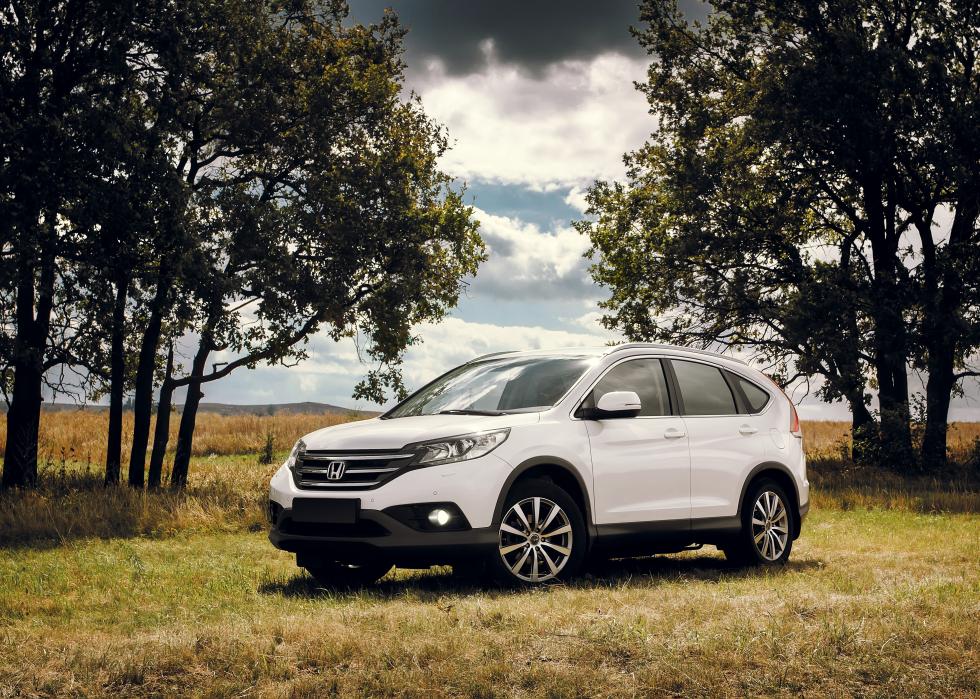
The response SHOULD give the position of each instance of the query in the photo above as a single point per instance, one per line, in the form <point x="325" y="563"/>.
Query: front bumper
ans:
<point x="472" y="485"/>
<point x="377" y="534"/>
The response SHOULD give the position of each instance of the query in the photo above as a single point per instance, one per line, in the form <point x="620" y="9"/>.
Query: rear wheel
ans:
<point x="541" y="536"/>
<point x="347" y="575"/>
<point x="766" y="537"/>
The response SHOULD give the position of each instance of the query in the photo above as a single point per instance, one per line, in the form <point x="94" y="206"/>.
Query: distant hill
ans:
<point x="308" y="408"/>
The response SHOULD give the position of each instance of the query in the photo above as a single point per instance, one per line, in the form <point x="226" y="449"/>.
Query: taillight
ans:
<point x="794" y="417"/>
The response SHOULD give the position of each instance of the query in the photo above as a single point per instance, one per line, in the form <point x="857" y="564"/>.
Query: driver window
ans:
<point x="645" y="377"/>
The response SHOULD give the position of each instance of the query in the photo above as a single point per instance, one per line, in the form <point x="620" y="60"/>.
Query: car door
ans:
<point x="724" y="444"/>
<point x="641" y="464"/>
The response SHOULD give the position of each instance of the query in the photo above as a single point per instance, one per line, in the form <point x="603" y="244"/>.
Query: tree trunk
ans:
<point x="864" y="433"/>
<point x="24" y="415"/>
<point x="143" y="389"/>
<point x="188" y="418"/>
<point x="117" y="382"/>
<point x="896" y="433"/>
<point x="23" y="423"/>
<point x="944" y="327"/>
<point x="886" y="308"/>
<point x="161" y="434"/>
<point x="939" y="389"/>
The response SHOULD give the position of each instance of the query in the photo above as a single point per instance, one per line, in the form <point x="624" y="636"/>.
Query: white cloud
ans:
<point x="576" y="199"/>
<point x="590" y="321"/>
<point x="526" y="262"/>
<point x="565" y="127"/>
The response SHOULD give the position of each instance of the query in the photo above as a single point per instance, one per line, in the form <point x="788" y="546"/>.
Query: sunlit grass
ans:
<point x="110" y="591"/>
<point x="874" y="602"/>
<point x="79" y="436"/>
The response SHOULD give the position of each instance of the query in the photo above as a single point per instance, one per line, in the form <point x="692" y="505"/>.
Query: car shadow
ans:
<point x="431" y="584"/>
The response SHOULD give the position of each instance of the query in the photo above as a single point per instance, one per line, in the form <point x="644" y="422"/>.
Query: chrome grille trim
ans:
<point x="351" y="469"/>
<point x="308" y="456"/>
<point x="364" y="469"/>
<point x="331" y="484"/>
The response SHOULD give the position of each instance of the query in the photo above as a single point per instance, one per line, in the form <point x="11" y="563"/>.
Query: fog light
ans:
<point x="439" y="517"/>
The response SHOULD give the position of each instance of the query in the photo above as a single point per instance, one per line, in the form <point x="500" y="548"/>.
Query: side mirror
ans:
<point x="617" y="404"/>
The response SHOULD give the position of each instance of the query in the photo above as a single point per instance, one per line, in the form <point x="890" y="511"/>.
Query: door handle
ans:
<point x="748" y="429"/>
<point x="674" y="433"/>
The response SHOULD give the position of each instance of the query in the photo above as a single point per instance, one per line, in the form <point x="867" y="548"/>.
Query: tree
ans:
<point x="940" y="162"/>
<point x="60" y="61"/>
<point x="339" y="219"/>
<point x="312" y="197"/>
<point x="239" y="177"/>
<point x="772" y="208"/>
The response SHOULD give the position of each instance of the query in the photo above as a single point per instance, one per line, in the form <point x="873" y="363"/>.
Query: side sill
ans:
<point x="664" y="536"/>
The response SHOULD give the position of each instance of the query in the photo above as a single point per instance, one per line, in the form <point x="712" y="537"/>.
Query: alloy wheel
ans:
<point x="535" y="539"/>
<point x="770" y="525"/>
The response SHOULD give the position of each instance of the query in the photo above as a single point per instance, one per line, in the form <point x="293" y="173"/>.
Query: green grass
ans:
<point x="879" y="602"/>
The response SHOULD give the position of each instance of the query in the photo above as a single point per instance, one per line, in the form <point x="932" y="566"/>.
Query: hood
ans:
<point x="397" y="432"/>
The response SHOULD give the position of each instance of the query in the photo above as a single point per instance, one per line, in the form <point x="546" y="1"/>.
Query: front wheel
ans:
<point x="348" y="575"/>
<point x="767" y="527"/>
<point x="541" y="536"/>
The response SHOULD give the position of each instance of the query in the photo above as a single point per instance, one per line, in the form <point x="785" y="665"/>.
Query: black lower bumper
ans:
<point x="804" y="510"/>
<point x="376" y="534"/>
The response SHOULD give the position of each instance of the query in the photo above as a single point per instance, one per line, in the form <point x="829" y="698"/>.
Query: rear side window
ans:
<point x="754" y="396"/>
<point x="704" y="390"/>
<point x="645" y="377"/>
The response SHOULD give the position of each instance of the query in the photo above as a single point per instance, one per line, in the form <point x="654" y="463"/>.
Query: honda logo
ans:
<point x="336" y="470"/>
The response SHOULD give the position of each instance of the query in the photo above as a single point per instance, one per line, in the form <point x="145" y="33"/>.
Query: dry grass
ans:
<point x="225" y="494"/>
<point x="227" y="490"/>
<point x="109" y="592"/>
<point x="839" y="484"/>
<point x="79" y="435"/>
<point x="228" y="493"/>
<point x="826" y="439"/>
<point x="874" y="603"/>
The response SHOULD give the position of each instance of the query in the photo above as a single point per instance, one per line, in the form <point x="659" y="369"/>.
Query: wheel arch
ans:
<point x="782" y="475"/>
<point x="559" y="471"/>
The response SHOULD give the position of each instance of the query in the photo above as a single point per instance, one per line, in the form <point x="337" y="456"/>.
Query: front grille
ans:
<point x="317" y="470"/>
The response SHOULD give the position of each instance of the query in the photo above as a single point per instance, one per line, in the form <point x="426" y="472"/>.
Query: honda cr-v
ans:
<point x="529" y="462"/>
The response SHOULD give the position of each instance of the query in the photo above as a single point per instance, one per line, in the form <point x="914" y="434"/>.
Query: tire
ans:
<point x="546" y="547"/>
<point x="338" y="575"/>
<point x="766" y="537"/>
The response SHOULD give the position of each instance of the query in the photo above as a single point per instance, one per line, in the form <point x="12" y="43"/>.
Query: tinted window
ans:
<point x="643" y="376"/>
<point x="756" y="397"/>
<point x="513" y="384"/>
<point x="703" y="389"/>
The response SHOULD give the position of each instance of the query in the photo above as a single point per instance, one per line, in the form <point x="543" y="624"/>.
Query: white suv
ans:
<point x="529" y="461"/>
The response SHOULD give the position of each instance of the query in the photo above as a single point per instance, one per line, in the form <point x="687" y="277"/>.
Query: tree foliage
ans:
<point x="791" y="198"/>
<point x="251" y="174"/>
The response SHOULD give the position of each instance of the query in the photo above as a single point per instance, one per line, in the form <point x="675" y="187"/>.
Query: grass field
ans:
<point x="113" y="592"/>
<point x="80" y="436"/>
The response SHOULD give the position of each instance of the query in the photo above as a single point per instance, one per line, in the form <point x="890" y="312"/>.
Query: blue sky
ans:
<point x="538" y="102"/>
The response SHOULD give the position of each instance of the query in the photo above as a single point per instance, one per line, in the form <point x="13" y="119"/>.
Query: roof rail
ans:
<point x="491" y="354"/>
<point x="653" y="345"/>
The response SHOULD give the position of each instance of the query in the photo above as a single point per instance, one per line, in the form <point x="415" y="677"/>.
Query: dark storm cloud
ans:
<point x="529" y="33"/>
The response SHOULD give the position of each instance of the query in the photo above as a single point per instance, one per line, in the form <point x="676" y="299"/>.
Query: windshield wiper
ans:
<point x="471" y="412"/>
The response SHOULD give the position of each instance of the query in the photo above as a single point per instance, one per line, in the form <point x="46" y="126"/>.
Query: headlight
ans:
<point x="464" y="448"/>
<point x="298" y="449"/>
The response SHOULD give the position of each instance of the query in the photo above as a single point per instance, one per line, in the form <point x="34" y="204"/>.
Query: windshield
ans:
<point x="497" y="387"/>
